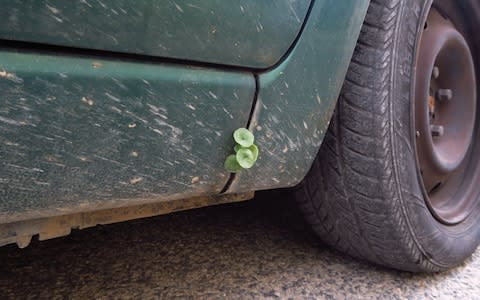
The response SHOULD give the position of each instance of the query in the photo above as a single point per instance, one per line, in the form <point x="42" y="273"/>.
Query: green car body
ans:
<point x="114" y="104"/>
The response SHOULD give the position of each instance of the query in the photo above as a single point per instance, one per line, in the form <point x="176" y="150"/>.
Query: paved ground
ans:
<point x="256" y="249"/>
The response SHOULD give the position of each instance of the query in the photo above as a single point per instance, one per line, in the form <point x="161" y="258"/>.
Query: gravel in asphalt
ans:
<point x="256" y="249"/>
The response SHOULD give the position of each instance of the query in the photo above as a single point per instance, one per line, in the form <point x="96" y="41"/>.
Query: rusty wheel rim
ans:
<point x="445" y="116"/>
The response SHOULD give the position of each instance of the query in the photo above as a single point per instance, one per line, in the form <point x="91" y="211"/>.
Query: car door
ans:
<point x="246" y="33"/>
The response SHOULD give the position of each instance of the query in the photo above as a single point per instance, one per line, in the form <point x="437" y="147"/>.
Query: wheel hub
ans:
<point x="445" y="110"/>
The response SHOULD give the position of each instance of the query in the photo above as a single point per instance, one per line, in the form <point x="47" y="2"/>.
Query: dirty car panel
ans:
<point x="78" y="134"/>
<point x="113" y="128"/>
<point x="296" y="100"/>
<point x="248" y="33"/>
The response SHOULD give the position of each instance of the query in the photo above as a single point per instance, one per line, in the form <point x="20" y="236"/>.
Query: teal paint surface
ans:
<point x="248" y="33"/>
<point x="79" y="134"/>
<point x="297" y="99"/>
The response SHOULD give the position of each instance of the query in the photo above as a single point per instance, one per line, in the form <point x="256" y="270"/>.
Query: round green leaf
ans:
<point x="254" y="150"/>
<point x="237" y="147"/>
<point x="243" y="137"/>
<point x="232" y="165"/>
<point x="245" y="158"/>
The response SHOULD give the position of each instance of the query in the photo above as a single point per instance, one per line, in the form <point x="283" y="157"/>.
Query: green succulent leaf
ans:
<point x="246" y="152"/>
<point x="245" y="158"/>
<point x="254" y="150"/>
<point x="232" y="165"/>
<point x="243" y="137"/>
<point x="237" y="147"/>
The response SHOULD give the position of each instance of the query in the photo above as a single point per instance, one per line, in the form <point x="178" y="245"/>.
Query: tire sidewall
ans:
<point x="443" y="245"/>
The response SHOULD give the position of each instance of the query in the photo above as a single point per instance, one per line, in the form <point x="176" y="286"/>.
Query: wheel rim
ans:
<point x="444" y="116"/>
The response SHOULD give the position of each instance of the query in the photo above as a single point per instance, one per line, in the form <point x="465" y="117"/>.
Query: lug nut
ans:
<point x="437" y="130"/>
<point x="444" y="94"/>
<point x="435" y="72"/>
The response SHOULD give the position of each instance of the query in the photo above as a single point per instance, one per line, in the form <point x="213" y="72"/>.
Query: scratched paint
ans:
<point x="249" y="33"/>
<point x="76" y="136"/>
<point x="297" y="99"/>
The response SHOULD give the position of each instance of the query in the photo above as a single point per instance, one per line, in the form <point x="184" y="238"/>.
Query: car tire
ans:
<point x="366" y="193"/>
